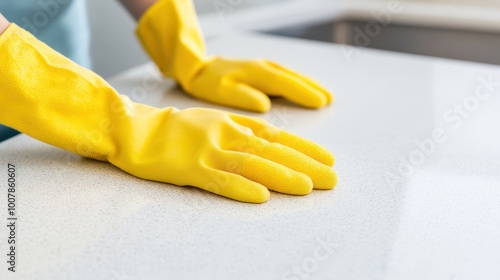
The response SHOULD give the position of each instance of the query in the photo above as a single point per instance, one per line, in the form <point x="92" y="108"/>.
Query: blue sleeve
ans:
<point x="61" y="24"/>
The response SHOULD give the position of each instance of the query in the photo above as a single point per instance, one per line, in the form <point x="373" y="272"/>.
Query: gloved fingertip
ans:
<point x="330" y="97"/>
<point x="316" y="100"/>
<point x="256" y="196"/>
<point x="302" y="186"/>
<point x="263" y="107"/>
<point x="324" y="156"/>
<point x="248" y="98"/>
<point x="328" y="182"/>
<point x="256" y="107"/>
<point x="329" y="159"/>
<point x="262" y="104"/>
<point x="263" y="196"/>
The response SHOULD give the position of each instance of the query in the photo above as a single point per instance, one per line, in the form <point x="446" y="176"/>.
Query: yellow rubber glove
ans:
<point x="170" y="34"/>
<point x="50" y="98"/>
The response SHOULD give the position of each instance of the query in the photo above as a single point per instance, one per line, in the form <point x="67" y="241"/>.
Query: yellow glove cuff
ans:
<point x="54" y="100"/>
<point x="170" y="33"/>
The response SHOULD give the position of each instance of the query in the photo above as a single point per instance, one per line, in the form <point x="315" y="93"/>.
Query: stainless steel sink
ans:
<point x="460" y="44"/>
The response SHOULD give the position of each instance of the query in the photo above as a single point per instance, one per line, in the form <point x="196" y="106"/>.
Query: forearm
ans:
<point x="137" y="7"/>
<point x="4" y="23"/>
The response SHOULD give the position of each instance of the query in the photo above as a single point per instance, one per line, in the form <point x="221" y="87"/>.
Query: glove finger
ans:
<point x="310" y="81"/>
<point x="235" y="187"/>
<point x="245" y="97"/>
<point x="273" y="81"/>
<point x="262" y="129"/>
<point x="270" y="174"/>
<point x="322" y="176"/>
<point x="316" y="151"/>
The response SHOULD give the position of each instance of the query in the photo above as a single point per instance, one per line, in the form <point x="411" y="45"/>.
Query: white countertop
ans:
<point x="82" y="219"/>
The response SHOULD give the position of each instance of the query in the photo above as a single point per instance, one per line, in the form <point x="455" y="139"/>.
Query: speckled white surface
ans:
<point x="82" y="219"/>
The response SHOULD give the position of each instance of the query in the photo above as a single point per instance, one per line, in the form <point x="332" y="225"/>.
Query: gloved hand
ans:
<point x="48" y="97"/>
<point x="170" y="34"/>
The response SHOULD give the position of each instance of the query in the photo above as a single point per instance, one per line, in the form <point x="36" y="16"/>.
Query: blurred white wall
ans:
<point x="114" y="46"/>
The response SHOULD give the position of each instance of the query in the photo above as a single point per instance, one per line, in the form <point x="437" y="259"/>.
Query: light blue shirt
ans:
<point x="61" y="24"/>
